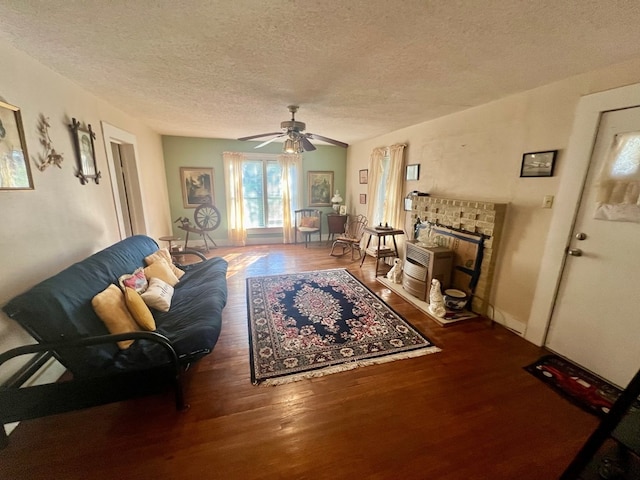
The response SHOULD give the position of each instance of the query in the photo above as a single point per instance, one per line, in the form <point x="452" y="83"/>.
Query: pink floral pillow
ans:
<point x="135" y="280"/>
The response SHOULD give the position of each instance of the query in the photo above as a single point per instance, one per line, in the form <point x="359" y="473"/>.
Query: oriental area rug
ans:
<point x="309" y="324"/>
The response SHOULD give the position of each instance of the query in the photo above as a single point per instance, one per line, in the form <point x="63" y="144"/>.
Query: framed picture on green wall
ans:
<point x="197" y="186"/>
<point x="320" y="189"/>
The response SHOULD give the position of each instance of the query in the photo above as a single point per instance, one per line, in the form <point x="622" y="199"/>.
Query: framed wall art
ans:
<point x="15" y="171"/>
<point x="364" y="176"/>
<point x="197" y="186"/>
<point x="320" y="188"/>
<point x="538" y="164"/>
<point x="85" y="152"/>
<point x="413" y="172"/>
<point x="363" y="198"/>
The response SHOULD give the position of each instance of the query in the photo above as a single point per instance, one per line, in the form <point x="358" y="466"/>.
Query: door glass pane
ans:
<point x="627" y="161"/>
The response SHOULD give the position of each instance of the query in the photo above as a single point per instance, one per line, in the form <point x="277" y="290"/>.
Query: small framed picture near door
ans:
<point x="197" y="186"/>
<point x="413" y="172"/>
<point x="363" y="198"/>
<point x="538" y="164"/>
<point x="364" y="176"/>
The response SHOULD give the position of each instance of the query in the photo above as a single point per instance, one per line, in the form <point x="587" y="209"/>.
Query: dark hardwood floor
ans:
<point x="468" y="412"/>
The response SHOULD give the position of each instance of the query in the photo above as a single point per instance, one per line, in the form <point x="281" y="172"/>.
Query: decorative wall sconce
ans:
<point x="85" y="152"/>
<point x="49" y="156"/>
<point x="408" y="200"/>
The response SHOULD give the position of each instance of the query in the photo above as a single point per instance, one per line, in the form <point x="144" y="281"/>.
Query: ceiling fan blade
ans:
<point x="260" y="135"/>
<point x="306" y="144"/>
<point x="337" y="143"/>
<point x="269" y="141"/>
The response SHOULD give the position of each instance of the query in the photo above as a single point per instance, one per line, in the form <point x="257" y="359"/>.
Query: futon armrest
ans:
<point x="178" y="256"/>
<point x="88" y="341"/>
<point x="18" y="404"/>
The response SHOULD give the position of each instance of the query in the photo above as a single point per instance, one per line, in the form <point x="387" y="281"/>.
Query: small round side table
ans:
<point x="169" y="239"/>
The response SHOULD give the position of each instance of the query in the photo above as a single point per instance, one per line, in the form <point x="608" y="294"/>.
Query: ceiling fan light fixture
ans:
<point x="297" y="141"/>
<point x="288" y="146"/>
<point x="292" y="146"/>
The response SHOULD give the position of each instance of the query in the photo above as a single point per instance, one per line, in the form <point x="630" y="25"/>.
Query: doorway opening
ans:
<point x="122" y="161"/>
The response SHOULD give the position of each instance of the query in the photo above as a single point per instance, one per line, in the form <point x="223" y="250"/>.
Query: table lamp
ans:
<point x="336" y="200"/>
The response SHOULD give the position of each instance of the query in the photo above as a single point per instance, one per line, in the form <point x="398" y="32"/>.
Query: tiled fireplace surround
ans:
<point x="467" y="216"/>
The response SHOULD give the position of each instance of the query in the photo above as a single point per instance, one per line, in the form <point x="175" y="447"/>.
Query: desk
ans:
<point x="335" y="223"/>
<point x="379" y="253"/>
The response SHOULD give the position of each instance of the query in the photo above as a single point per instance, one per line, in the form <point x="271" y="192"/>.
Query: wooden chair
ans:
<point x="350" y="239"/>
<point x="308" y="221"/>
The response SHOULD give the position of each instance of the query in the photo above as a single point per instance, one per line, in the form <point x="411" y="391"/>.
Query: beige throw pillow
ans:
<point x="158" y="295"/>
<point x="309" y="222"/>
<point x="110" y="306"/>
<point x="160" y="269"/>
<point x="163" y="253"/>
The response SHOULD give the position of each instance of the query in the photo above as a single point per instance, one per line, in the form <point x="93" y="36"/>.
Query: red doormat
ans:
<point x="580" y="387"/>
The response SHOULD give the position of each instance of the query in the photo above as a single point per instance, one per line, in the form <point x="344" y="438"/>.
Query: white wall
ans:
<point x="476" y="154"/>
<point x="62" y="221"/>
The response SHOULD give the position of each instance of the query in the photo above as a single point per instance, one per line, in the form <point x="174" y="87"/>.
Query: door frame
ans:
<point x="112" y="134"/>
<point x="567" y="202"/>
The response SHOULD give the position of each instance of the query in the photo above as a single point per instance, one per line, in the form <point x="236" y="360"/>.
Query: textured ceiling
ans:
<point x="358" y="68"/>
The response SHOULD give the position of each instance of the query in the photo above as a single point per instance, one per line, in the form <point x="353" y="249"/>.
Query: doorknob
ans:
<point x="575" y="252"/>
<point x="581" y="236"/>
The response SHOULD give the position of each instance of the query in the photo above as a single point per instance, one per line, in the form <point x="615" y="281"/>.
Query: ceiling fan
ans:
<point x="297" y="141"/>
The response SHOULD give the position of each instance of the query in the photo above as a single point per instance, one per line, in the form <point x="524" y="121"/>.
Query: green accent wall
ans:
<point x="207" y="152"/>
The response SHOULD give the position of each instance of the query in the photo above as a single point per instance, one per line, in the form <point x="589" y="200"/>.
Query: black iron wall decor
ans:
<point x="85" y="152"/>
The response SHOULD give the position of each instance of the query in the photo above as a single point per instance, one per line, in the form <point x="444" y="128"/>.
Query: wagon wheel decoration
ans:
<point x="207" y="217"/>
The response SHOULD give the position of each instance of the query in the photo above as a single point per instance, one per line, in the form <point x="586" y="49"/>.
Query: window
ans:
<point x="262" y="193"/>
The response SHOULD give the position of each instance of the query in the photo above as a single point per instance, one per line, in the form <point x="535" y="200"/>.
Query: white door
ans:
<point x="596" y="317"/>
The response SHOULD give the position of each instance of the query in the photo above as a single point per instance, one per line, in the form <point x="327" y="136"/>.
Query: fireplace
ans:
<point x="472" y="230"/>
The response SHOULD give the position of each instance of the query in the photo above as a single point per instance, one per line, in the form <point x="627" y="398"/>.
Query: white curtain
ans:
<point x="385" y="191"/>
<point x="290" y="165"/>
<point x="374" y="190"/>
<point x="394" y="197"/>
<point x="232" y="162"/>
<point x="619" y="181"/>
